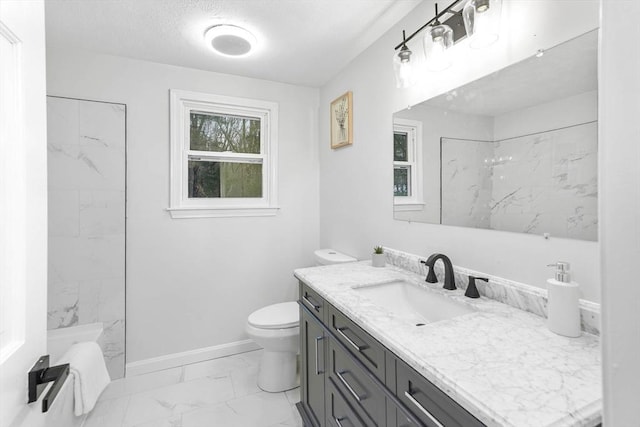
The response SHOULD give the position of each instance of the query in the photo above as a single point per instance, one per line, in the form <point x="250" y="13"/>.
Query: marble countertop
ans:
<point x="501" y="364"/>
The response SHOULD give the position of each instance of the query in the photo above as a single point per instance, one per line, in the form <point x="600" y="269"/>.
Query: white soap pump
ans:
<point x="563" y="310"/>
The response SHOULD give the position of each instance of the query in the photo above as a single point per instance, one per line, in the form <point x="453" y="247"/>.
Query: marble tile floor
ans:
<point x="215" y="393"/>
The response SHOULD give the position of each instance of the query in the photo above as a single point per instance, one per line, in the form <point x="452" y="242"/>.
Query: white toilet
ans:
<point x="329" y="256"/>
<point x="276" y="328"/>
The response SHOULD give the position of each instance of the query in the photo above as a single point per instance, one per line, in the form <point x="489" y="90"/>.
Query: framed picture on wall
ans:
<point x="342" y="121"/>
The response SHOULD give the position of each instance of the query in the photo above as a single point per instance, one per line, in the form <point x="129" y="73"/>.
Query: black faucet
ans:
<point x="449" y="280"/>
<point x="472" y="290"/>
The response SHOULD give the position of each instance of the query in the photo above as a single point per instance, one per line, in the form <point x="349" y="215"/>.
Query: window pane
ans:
<point x="218" y="132"/>
<point x="400" y="147"/>
<point x="401" y="183"/>
<point x="224" y="179"/>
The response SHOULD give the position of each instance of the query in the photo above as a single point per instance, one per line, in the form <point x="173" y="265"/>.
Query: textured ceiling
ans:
<point x="303" y="42"/>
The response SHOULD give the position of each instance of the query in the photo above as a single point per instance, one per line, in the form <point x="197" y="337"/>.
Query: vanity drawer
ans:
<point x="339" y="413"/>
<point x="360" y="389"/>
<point x="428" y="403"/>
<point x="369" y="351"/>
<point x="313" y="301"/>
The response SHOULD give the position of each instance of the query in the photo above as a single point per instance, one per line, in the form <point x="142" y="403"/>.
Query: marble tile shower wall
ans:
<point x="466" y="182"/>
<point x="540" y="183"/>
<point x="86" y="179"/>
<point x="548" y="184"/>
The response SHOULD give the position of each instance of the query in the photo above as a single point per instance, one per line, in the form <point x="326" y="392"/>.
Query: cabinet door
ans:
<point x="311" y="300"/>
<point x="312" y="346"/>
<point x="339" y="412"/>
<point x="428" y="403"/>
<point x="360" y="390"/>
<point x="402" y="420"/>
<point x="362" y="345"/>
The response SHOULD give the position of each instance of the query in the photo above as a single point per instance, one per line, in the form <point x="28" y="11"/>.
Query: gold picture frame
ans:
<point x="341" y="115"/>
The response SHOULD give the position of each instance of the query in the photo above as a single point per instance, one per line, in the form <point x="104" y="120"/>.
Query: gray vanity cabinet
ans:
<point x="348" y="378"/>
<point x="312" y="378"/>
<point x="427" y="402"/>
<point x="360" y="390"/>
<point x="339" y="412"/>
<point x="362" y="345"/>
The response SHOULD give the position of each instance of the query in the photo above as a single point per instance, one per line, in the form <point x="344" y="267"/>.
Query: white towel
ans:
<point x="89" y="374"/>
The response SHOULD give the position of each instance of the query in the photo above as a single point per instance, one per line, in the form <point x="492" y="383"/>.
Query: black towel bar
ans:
<point x="40" y="375"/>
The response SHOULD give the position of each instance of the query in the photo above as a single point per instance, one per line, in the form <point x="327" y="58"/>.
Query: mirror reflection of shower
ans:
<point x="515" y="150"/>
<point x="545" y="182"/>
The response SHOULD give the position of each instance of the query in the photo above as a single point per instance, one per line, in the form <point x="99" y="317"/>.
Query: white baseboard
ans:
<point x="186" y="357"/>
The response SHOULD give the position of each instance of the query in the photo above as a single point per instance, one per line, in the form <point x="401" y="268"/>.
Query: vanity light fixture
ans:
<point x="477" y="19"/>
<point x="230" y="40"/>
<point x="402" y="66"/>
<point x="436" y="43"/>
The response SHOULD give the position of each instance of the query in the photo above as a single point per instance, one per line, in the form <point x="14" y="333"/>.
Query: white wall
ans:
<point x="620" y="209"/>
<point x="356" y="205"/>
<point x="191" y="283"/>
<point x="573" y="110"/>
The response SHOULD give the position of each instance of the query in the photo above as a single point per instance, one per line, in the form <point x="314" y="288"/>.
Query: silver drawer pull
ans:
<point x="422" y="409"/>
<point x="310" y="303"/>
<point x="348" y="386"/>
<point x="318" y="371"/>
<point x="354" y="345"/>
<point x="337" y="420"/>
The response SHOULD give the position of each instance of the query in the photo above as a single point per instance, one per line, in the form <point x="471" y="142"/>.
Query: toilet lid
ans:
<point x="276" y="316"/>
<point x="329" y="256"/>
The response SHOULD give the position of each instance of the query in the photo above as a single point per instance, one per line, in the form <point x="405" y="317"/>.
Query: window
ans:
<point x="223" y="156"/>
<point x="407" y="161"/>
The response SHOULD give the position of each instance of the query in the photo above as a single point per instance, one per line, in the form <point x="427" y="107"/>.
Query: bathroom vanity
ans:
<point x="365" y="362"/>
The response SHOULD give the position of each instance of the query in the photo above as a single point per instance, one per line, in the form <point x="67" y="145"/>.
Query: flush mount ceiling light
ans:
<point x="230" y="40"/>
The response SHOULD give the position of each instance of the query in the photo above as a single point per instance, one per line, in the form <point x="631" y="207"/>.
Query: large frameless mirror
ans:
<point x="513" y="151"/>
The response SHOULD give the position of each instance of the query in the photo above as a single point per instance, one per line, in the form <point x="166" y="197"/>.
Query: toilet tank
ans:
<point x="330" y="256"/>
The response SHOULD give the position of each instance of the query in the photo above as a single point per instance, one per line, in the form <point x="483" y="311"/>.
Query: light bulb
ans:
<point x="482" y="22"/>
<point x="403" y="68"/>
<point x="405" y="73"/>
<point x="482" y="6"/>
<point x="438" y="58"/>
<point x="436" y="42"/>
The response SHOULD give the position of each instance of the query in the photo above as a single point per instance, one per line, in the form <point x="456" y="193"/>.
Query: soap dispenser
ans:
<point x="563" y="310"/>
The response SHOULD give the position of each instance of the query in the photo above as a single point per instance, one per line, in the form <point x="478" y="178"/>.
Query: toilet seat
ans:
<point x="277" y="316"/>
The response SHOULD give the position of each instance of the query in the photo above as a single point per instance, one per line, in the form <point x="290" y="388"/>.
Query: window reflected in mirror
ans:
<point x="513" y="151"/>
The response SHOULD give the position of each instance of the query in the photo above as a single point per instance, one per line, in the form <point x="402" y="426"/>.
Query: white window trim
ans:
<point x="414" y="202"/>
<point x="13" y="201"/>
<point x="181" y="206"/>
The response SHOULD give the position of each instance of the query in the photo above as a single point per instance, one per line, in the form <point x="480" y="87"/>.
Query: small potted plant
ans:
<point x="377" y="258"/>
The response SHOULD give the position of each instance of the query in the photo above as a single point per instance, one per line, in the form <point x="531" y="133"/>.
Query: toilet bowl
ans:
<point x="276" y="328"/>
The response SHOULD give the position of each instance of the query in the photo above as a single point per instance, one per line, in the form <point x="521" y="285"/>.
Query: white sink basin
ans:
<point x="410" y="301"/>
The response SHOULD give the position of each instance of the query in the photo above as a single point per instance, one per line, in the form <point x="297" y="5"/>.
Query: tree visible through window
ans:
<point x="209" y="177"/>
<point x="223" y="156"/>
<point x="407" y="164"/>
<point x="402" y="166"/>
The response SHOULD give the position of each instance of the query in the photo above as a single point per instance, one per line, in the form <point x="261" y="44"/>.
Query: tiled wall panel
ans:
<point x="86" y="176"/>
